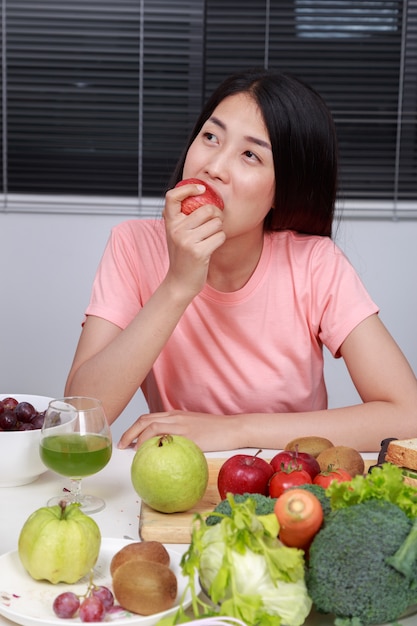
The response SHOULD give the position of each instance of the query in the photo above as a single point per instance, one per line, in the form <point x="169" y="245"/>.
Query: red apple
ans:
<point x="209" y="196"/>
<point x="244" y="473"/>
<point x="294" y="459"/>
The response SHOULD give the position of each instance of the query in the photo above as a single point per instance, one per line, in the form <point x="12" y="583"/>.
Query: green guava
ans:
<point x="59" y="544"/>
<point x="169" y="473"/>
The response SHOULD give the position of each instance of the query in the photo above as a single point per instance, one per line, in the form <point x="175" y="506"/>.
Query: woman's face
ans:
<point x="232" y="153"/>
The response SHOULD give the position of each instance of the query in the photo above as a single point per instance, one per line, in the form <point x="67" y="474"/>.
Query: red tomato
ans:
<point x="325" y="478"/>
<point x="281" y="481"/>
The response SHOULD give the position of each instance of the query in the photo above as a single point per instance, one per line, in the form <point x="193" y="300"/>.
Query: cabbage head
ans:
<point x="246" y="571"/>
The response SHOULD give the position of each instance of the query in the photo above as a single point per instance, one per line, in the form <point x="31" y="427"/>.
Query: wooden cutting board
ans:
<point x="176" y="527"/>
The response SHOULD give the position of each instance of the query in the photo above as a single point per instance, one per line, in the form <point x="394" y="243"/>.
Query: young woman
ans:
<point x="221" y="316"/>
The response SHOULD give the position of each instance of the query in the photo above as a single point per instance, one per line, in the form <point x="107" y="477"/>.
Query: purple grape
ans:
<point x="25" y="411"/>
<point x="105" y="595"/>
<point x="8" y="420"/>
<point x="92" y="610"/>
<point x="26" y="426"/>
<point x="16" y="415"/>
<point x="38" y="420"/>
<point x="10" y="403"/>
<point x="66" y="605"/>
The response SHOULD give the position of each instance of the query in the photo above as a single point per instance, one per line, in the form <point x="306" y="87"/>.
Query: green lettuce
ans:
<point x="384" y="482"/>
<point x="245" y="570"/>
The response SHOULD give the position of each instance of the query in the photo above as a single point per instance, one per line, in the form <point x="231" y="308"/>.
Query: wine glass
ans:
<point x="76" y="441"/>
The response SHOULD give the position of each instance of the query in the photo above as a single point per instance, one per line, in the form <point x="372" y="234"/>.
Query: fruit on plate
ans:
<point x="142" y="579"/>
<point x="92" y="606"/>
<point x="59" y="544"/>
<point x="244" y="473"/>
<point x="288" y="459"/>
<point x="342" y="457"/>
<point x="144" y="587"/>
<point x="143" y="550"/>
<point x="209" y="196"/>
<point x="311" y="444"/>
<point x="66" y="605"/>
<point x="169" y="473"/>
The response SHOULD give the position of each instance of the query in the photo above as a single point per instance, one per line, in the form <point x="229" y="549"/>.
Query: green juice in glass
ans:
<point x="75" y="455"/>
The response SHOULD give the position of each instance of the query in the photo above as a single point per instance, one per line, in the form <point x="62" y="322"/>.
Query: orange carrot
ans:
<point x="300" y="516"/>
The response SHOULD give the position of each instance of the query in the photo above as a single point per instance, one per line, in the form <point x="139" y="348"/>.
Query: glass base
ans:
<point x="88" y="504"/>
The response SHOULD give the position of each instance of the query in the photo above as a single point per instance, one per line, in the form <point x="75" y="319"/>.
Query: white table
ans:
<point x="119" y="519"/>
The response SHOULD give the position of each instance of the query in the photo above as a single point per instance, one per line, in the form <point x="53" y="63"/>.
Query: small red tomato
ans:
<point x="325" y="478"/>
<point x="281" y="481"/>
<point x="209" y="196"/>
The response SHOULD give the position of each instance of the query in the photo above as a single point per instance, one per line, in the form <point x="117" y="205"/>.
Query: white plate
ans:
<point x="29" y="602"/>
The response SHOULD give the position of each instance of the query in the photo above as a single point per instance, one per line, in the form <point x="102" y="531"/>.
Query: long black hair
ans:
<point x="304" y="147"/>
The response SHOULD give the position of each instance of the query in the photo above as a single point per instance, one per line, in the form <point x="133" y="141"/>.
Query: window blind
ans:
<point x="72" y="96"/>
<point x="361" y="56"/>
<point x="98" y="97"/>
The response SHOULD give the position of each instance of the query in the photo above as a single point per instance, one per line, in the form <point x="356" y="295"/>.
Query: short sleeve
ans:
<point x="133" y="265"/>
<point x="340" y="296"/>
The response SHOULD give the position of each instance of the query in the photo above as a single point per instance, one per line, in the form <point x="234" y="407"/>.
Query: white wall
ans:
<point x="47" y="264"/>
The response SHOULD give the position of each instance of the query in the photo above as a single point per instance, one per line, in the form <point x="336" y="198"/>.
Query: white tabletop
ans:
<point x="119" y="519"/>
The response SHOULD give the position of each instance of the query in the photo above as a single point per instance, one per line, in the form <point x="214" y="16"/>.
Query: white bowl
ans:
<point x="20" y="462"/>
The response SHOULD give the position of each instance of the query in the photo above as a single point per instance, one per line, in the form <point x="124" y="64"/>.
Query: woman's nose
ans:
<point x="219" y="166"/>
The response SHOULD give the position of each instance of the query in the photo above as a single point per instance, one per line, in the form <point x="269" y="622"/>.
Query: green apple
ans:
<point x="59" y="544"/>
<point x="169" y="473"/>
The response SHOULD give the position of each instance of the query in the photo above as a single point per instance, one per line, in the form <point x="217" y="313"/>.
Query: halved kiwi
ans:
<point x="145" y="587"/>
<point x="143" y="550"/>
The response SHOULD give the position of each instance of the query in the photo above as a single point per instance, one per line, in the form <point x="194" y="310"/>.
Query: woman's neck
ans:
<point x="232" y="265"/>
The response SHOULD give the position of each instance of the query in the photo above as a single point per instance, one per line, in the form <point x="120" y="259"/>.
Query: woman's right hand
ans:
<point x="191" y="239"/>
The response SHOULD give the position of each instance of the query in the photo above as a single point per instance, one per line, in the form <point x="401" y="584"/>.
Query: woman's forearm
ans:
<point x="362" y="426"/>
<point x="111" y="364"/>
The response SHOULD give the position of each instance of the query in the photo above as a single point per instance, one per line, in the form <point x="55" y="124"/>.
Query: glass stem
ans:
<point x="75" y="489"/>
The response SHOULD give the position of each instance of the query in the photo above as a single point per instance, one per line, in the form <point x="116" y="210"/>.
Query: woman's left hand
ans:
<point x="209" y="432"/>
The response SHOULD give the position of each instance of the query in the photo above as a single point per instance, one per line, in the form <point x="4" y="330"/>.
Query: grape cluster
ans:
<point x="16" y="415"/>
<point x="92" y="607"/>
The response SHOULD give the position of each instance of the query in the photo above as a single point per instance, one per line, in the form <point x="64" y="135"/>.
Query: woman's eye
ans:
<point x="251" y="155"/>
<point x="210" y="136"/>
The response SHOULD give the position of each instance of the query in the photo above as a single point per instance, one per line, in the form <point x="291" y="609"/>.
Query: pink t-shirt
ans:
<point x="258" y="349"/>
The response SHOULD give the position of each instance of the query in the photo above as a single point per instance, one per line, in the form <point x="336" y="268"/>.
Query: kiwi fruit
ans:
<point x="342" y="457"/>
<point x="311" y="445"/>
<point x="144" y="587"/>
<point x="143" y="550"/>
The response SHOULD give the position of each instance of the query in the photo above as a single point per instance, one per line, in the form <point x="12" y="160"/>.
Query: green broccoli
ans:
<point x="348" y="573"/>
<point x="264" y="506"/>
<point x="405" y="559"/>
